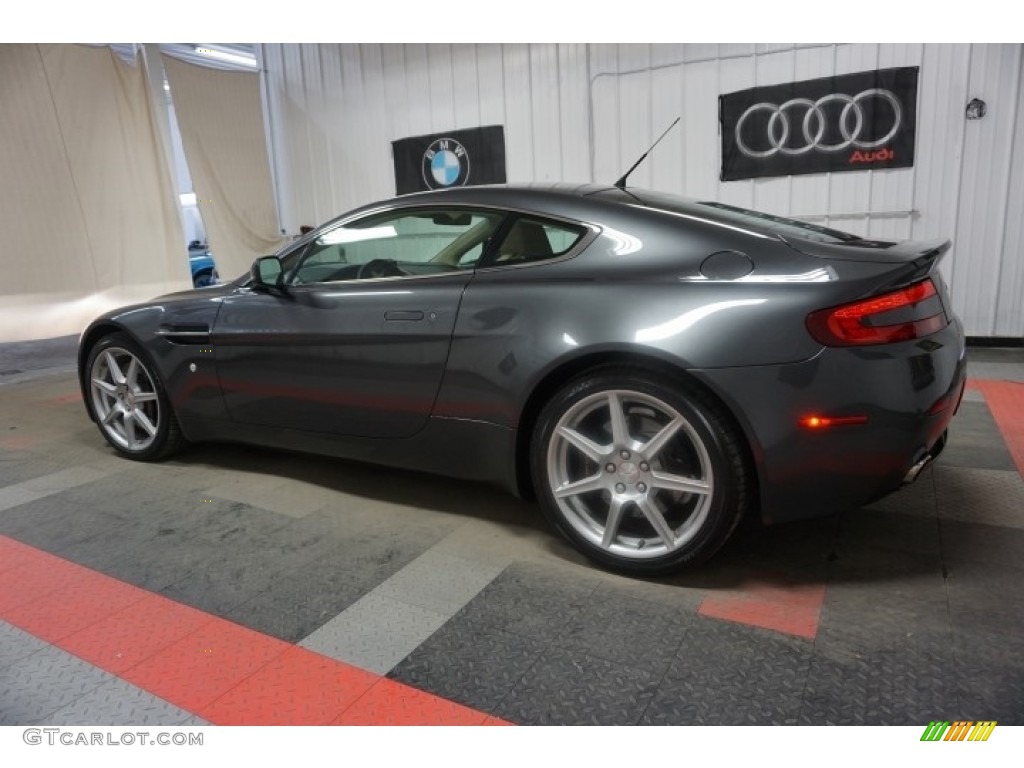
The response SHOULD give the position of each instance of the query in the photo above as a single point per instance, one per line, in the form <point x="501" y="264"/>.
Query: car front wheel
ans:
<point x="641" y="473"/>
<point x="128" y="401"/>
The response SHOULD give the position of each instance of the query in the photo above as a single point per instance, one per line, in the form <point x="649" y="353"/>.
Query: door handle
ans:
<point x="403" y="314"/>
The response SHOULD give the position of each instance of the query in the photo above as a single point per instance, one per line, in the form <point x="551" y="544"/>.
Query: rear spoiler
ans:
<point x="922" y="251"/>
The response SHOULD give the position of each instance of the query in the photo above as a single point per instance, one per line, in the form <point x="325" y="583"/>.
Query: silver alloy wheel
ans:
<point x="124" y="399"/>
<point x="630" y="474"/>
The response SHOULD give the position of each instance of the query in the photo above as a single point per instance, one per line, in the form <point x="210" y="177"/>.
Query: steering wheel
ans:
<point x="379" y="268"/>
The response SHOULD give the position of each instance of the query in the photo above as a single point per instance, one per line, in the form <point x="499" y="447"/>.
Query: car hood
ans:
<point x="211" y="292"/>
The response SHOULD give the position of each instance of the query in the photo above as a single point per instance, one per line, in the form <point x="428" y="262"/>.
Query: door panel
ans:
<point x="359" y="358"/>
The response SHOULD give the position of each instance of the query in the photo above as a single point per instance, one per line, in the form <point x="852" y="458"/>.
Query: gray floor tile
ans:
<point x="879" y="689"/>
<point x="986" y="599"/>
<point x="724" y="673"/>
<point x="982" y="543"/>
<point x="472" y="664"/>
<point x="985" y="693"/>
<point x="193" y="721"/>
<point x="225" y="580"/>
<point x="440" y="582"/>
<point x="531" y="600"/>
<point x="633" y="633"/>
<point x="375" y="633"/>
<point x="116" y="702"/>
<point x="917" y="499"/>
<point x="986" y="496"/>
<point x="975" y="441"/>
<point x="1000" y="371"/>
<point x="37" y="355"/>
<point x="47" y="485"/>
<point x="16" y="467"/>
<point x="885" y="529"/>
<point x="569" y="687"/>
<point x="16" y="644"/>
<point x="973" y="396"/>
<point x="37" y="686"/>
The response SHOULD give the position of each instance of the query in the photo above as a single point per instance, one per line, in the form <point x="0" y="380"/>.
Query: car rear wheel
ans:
<point x="641" y="473"/>
<point x="128" y="400"/>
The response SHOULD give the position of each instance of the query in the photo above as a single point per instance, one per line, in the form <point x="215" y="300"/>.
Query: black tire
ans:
<point x="692" y="488"/>
<point x="204" y="278"/>
<point x="127" y="402"/>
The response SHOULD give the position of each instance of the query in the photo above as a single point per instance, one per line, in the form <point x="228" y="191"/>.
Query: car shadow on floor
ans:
<point x="866" y="545"/>
<point x="371" y="482"/>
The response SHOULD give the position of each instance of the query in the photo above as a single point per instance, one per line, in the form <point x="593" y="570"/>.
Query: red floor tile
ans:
<point x="14" y="554"/>
<point x="1005" y="400"/>
<point x="133" y="635"/>
<point x="194" y="671"/>
<point x="792" y="610"/>
<point x="18" y="441"/>
<point x="211" y="667"/>
<point x="65" y="399"/>
<point x="34" y="578"/>
<point x="299" y="687"/>
<point x="74" y="606"/>
<point x="492" y="720"/>
<point x="391" y="703"/>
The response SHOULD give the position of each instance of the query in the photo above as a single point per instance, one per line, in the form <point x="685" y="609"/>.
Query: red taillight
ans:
<point x="850" y="324"/>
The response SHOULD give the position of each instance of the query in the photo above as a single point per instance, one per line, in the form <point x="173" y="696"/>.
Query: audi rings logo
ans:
<point x="782" y="124"/>
<point x="841" y="123"/>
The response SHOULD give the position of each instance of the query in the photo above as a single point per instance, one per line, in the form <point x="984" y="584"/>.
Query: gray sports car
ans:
<point x="649" y="368"/>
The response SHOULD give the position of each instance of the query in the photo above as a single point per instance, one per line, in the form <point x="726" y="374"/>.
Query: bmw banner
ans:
<point x="842" y="123"/>
<point x="452" y="159"/>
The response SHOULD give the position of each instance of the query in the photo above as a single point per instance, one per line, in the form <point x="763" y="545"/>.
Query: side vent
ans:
<point x="185" y="334"/>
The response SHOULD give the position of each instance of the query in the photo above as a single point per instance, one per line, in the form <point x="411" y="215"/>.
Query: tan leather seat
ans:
<point x="526" y="241"/>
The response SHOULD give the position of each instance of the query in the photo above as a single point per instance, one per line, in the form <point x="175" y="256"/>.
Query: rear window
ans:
<point x="763" y="222"/>
<point x="785" y="226"/>
<point x="531" y="239"/>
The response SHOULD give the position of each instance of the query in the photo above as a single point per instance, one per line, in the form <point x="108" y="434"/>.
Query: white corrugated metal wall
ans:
<point x="578" y="112"/>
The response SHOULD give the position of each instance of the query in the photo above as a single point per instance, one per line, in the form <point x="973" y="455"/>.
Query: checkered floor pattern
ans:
<point x="241" y="586"/>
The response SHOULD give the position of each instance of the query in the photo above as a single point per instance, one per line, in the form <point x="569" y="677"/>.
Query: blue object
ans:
<point x="204" y="269"/>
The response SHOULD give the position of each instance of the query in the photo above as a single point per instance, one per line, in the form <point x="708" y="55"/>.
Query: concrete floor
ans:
<point x="203" y="588"/>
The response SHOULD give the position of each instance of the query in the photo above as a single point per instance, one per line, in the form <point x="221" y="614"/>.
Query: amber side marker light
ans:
<point x="824" y="422"/>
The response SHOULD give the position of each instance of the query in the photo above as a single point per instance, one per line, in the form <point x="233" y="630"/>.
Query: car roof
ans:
<point x="542" y="196"/>
<point x="595" y="203"/>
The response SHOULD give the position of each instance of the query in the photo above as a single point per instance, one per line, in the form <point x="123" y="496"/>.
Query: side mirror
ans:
<point x="267" y="273"/>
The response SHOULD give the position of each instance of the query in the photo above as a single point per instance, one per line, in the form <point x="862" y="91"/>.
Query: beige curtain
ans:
<point x="88" y="215"/>
<point x="220" y="115"/>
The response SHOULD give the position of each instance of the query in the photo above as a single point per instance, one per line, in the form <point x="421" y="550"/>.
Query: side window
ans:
<point x="395" y="244"/>
<point x="536" y="240"/>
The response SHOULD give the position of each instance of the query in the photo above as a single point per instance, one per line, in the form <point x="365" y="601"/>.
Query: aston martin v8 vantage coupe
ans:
<point x="649" y="368"/>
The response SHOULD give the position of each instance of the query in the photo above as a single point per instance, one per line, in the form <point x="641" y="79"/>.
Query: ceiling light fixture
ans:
<point x="233" y="58"/>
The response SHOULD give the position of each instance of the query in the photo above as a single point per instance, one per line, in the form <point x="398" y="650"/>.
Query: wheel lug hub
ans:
<point x="620" y="487"/>
<point x="610" y="467"/>
<point x="644" y="466"/>
<point x="641" y="487"/>
<point x="624" y="454"/>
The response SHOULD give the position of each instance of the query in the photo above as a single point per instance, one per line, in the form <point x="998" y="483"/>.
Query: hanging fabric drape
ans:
<point x="87" y="204"/>
<point x="220" y="115"/>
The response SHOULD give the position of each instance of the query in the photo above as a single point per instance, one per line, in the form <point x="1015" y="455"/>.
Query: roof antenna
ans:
<point x="621" y="183"/>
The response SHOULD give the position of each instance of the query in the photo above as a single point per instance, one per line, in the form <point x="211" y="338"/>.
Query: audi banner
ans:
<point x="452" y="159"/>
<point x="843" y="123"/>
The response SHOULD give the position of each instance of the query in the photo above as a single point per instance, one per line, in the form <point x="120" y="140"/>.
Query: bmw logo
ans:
<point x="445" y="164"/>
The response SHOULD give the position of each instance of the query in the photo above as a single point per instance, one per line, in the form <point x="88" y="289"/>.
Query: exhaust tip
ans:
<point x="914" y="471"/>
<point x="929" y="456"/>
